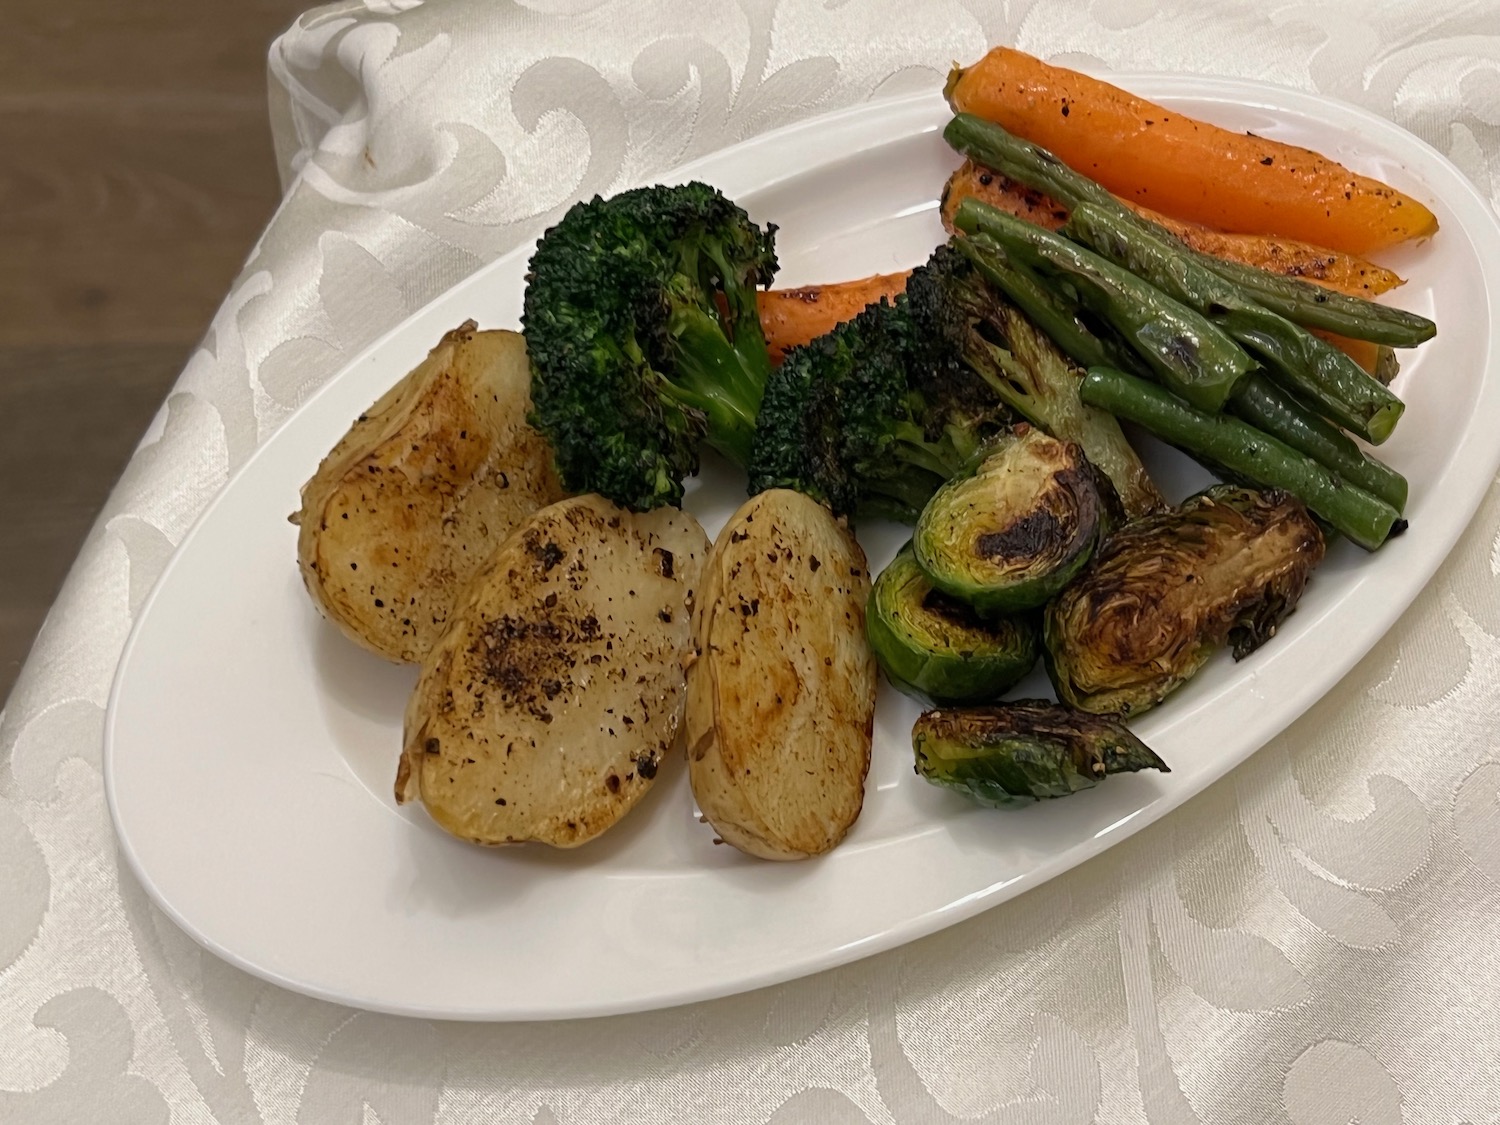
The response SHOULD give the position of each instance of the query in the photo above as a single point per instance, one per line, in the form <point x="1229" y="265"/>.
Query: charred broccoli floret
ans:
<point x="640" y="321"/>
<point x="872" y="418"/>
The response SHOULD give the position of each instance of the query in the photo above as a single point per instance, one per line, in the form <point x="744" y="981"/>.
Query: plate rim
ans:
<point x="1480" y="227"/>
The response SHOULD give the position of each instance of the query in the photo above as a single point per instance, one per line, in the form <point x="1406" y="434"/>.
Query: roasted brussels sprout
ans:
<point x="1168" y="589"/>
<point x="1017" y="753"/>
<point x="1011" y="535"/>
<point x="936" y="647"/>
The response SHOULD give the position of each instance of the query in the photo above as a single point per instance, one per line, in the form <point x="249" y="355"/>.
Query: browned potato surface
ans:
<point x="419" y="492"/>
<point x="549" y="705"/>
<point x="781" y="698"/>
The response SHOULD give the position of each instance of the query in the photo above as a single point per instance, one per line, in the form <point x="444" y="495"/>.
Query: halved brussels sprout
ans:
<point x="1017" y="753"/>
<point x="934" y="646"/>
<point x="1014" y="533"/>
<point x="1168" y="589"/>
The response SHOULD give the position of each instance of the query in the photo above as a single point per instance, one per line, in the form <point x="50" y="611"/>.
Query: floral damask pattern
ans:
<point x="1314" y="940"/>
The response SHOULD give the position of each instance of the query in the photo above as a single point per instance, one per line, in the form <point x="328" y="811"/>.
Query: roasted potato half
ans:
<point x="554" y="696"/>
<point x="420" y="491"/>
<point x="781" y="699"/>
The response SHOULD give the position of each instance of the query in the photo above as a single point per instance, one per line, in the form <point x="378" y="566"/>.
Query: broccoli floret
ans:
<point x="640" y="321"/>
<point x="872" y="417"/>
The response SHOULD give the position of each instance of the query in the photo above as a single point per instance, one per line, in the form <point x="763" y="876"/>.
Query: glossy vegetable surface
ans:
<point x="1280" y="414"/>
<point x="1183" y="349"/>
<point x="1300" y="361"/>
<point x="1026" y="751"/>
<point x="1235" y="448"/>
<point x="1312" y="306"/>
<point x="936" y="647"/>
<point x="1017" y="336"/>
<point x="1011" y="535"/>
<point x="1347" y="273"/>
<point x="1266" y="406"/>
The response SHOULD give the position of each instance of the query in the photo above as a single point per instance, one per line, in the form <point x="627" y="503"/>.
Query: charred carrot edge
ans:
<point x="790" y="317"/>
<point x="1344" y="272"/>
<point x="1184" y="168"/>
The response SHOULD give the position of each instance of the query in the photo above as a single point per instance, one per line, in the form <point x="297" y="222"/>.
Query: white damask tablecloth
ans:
<point x="1316" y="939"/>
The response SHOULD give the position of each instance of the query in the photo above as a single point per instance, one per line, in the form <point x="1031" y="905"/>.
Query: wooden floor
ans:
<point x="135" y="174"/>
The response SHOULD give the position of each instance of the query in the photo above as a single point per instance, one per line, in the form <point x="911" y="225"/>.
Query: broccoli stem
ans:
<point x="715" y="376"/>
<point x="1314" y="368"/>
<point x="1301" y="302"/>
<point x="930" y="464"/>
<point x="1183" y="348"/>
<point x="1225" y="443"/>
<point x="1044" y="391"/>
<point x="900" y="500"/>
<point x="1045" y="308"/>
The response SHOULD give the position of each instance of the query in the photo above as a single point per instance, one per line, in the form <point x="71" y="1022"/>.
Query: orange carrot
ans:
<point x="791" y="317"/>
<point x="1344" y="272"/>
<point x="1328" y="268"/>
<point x="1185" y="168"/>
<point x="1367" y="355"/>
<point x="972" y="180"/>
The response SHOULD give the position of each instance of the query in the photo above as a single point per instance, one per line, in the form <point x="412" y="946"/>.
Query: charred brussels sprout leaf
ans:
<point x="935" y="647"/>
<point x="1168" y="589"/>
<point x="1029" y="750"/>
<point x="1014" y="533"/>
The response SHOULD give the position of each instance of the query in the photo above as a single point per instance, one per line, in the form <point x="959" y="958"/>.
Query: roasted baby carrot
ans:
<point x="1182" y="167"/>
<point x="1344" y="272"/>
<point x="790" y="317"/>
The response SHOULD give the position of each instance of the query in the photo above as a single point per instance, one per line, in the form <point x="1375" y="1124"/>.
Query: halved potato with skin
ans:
<point x="781" y="698"/>
<point x="419" y="492"/>
<point x="553" y="698"/>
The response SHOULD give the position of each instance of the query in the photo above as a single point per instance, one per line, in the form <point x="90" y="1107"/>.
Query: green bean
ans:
<point x="1045" y="307"/>
<point x="1184" y="349"/>
<point x="1301" y="302"/>
<point x="1226" y="443"/>
<point x="1258" y="400"/>
<point x="1300" y="361"/>
<point x="1273" y="411"/>
<point x="1314" y="306"/>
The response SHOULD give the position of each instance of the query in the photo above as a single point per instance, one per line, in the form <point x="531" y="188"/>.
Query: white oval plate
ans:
<point x="250" y="750"/>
